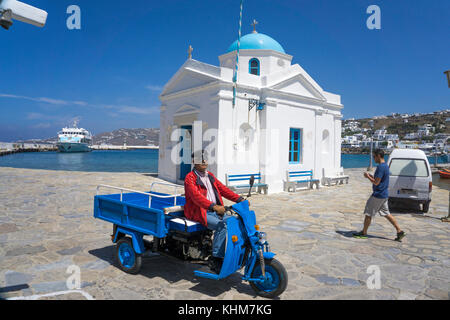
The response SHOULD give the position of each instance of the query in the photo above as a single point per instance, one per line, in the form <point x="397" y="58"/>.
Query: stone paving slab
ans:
<point x="50" y="227"/>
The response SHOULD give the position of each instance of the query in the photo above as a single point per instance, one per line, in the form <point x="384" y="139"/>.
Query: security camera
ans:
<point x="13" y="9"/>
<point x="6" y="19"/>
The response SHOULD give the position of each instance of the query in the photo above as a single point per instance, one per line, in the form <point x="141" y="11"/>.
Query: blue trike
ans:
<point x="136" y="214"/>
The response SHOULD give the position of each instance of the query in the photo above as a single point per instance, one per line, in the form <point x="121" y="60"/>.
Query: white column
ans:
<point x="337" y="144"/>
<point x="268" y="155"/>
<point x="318" y="172"/>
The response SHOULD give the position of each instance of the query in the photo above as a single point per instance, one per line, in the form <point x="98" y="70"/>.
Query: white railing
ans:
<point x="175" y="186"/>
<point x="149" y="194"/>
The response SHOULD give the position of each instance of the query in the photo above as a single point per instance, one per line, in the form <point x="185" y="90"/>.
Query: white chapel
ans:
<point x="273" y="118"/>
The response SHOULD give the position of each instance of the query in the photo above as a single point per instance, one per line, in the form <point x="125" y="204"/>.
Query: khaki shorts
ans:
<point x="376" y="205"/>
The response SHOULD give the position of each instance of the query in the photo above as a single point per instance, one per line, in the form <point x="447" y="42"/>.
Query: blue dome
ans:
<point x="257" y="41"/>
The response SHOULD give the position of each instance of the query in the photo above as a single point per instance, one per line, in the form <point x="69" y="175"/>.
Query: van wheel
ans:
<point x="426" y="206"/>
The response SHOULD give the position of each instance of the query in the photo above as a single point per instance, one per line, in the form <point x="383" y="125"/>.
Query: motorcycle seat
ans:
<point x="185" y="225"/>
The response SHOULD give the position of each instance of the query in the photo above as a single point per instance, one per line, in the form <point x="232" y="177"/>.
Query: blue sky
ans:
<point x="109" y="73"/>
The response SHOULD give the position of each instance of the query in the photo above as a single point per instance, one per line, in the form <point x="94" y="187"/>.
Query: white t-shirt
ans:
<point x="210" y="195"/>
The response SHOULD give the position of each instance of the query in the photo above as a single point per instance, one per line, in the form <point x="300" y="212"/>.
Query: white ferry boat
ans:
<point x="74" y="139"/>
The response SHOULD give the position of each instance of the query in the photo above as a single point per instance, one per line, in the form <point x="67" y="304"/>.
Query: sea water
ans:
<point x="363" y="160"/>
<point x="145" y="161"/>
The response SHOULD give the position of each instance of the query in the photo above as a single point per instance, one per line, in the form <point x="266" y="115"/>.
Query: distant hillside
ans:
<point x="132" y="137"/>
<point x="51" y="140"/>
<point x="396" y="124"/>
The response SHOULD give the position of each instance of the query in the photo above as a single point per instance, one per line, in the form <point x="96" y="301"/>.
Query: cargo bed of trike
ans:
<point x="135" y="214"/>
<point x="143" y="213"/>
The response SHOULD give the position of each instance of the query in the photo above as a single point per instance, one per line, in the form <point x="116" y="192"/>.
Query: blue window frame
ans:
<point x="295" y="145"/>
<point x="253" y="66"/>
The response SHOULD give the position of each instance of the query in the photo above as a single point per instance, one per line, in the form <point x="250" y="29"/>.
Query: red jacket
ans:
<point x="196" y="202"/>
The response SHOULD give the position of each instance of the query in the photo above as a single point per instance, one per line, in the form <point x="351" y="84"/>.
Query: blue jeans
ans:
<point x="219" y="225"/>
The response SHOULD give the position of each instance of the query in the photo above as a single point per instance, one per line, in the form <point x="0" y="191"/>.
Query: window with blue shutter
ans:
<point x="295" y="145"/>
<point x="253" y="66"/>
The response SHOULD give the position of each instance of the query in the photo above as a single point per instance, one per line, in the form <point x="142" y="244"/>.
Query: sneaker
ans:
<point x="360" y="235"/>
<point x="400" y="236"/>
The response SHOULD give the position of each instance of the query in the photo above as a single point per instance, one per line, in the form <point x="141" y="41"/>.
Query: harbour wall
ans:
<point x="7" y="148"/>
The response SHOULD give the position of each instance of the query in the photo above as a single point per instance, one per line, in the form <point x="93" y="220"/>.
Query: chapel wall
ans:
<point x="205" y="106"/>
<point x="279" y="121"/>
<point x="238" y="140"/>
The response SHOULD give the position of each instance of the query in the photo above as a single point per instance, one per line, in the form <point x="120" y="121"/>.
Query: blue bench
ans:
<point x="293" y="178"/>
<point x="245" y="177"/>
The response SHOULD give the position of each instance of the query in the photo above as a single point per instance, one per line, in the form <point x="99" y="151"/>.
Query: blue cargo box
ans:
<point x="134" y="213"/>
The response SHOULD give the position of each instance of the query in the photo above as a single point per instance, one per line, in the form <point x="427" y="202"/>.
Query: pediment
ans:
<point x="187" y="78"/>
<point x="186" y="109"/>
<point x="299" y="85"/>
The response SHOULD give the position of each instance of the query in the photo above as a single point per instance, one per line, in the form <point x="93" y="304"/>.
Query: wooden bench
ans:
<point x="294" y="178"/>
<point x="245" y="177"/>
<point x="331" y="175"/>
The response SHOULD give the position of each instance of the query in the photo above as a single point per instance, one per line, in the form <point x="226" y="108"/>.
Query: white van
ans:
<point x="410" y="177"/>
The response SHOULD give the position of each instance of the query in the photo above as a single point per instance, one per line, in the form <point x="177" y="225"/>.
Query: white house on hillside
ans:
<point x="281" y="119"/>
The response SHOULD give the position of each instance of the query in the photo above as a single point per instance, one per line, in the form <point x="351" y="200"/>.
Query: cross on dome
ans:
<point x="190" y="49"/>
<point x="254" y="25"/>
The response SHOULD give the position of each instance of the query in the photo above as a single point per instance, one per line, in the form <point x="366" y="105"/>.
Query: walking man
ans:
<point x="378" y="201"/>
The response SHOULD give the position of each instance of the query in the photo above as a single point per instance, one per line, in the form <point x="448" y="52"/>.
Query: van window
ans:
<point x="408" y="168"/>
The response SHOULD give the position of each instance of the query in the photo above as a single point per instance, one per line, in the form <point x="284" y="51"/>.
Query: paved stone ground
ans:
<point x="46" y="224"/>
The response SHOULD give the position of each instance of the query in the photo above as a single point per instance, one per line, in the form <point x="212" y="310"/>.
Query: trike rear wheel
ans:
<point x="126" y="258"/>
<point x="276" y="282"/>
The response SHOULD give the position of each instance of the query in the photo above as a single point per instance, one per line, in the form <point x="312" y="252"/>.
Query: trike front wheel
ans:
<point x="126" y="258"/>
<point x="276" y="279"/>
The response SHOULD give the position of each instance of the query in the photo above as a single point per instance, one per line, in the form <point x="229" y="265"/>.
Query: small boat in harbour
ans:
<point x="74" y="139"/>
<point x="444" y="173"/>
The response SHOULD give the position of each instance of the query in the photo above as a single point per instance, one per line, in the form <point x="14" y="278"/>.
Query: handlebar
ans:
<point x="230" y="208"/>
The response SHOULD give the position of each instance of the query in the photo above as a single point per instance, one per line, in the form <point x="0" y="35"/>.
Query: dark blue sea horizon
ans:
<point x="349" y="161"/>
<point x="143" y="161"/>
